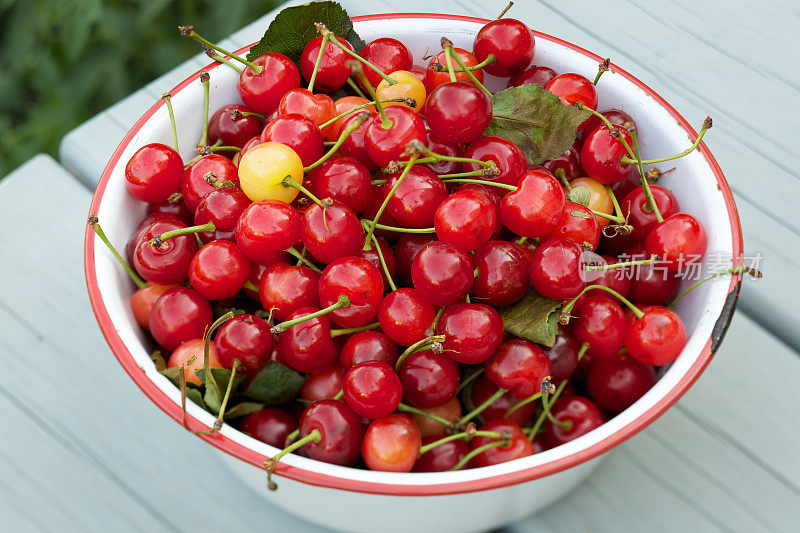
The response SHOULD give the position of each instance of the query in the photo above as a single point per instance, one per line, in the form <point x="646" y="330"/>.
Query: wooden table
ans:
<point x="83" y="450"/>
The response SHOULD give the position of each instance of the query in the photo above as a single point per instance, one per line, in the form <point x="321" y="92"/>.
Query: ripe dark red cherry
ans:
<point x="472" y="331"/>
<point x="360" y="281"/>
<point x="266" y="227"/>
<point x="371" y="255"/>
<point x="270" y="425"/>
<point x="222" y="126"/>
<point x="169" y="262"/>
<point x="143" y="226"/>
<point x="332" y="72"/>
<point x="332" y="232"/>
<point x="434" y="78"/>
<point x="179" y="315"/>
<point x="387" y="55"/>
<point x="429" y="379"/>
<point x="355" y="145"/>
<point x="578" y="224"/>
<point x="678" y="241"/>
<point x="617" y="382"/>
<point x="443" y="457"/>
<point x="308" y="346"/>
<point x="465" y="219"/>
<point x="571" y="88"/>
<point x="507" y="156"/>
<point x="416" y="199"/>
<point x="405" y="315"/>
<point x="569" y="162"/>
<point x="519" y="366"/>
<point x="458" y="112"/>
<point x="299" y="133"/>
<point x="386" y="145"/>
<point x="450" y="149"/>
<point x="640" y="215"/>
<point x="406" y="249"/>
<point x="176" y="209"/>
<point x="204" y="176"/>
<point x="262" y="92"/>
<point x="223" y="207"/>
<point x="285" y="288"/>
<point x="657" y="338"/>
<point x="372" y="389"/>
<point x="345" y="179"/>
<point x="582" y="414"/>
<point x="502" y="273"/>
<point x="519" y="446"/>
<point x="600" y="321"/>
<point x="536" y="207"/>
<point x="483" y="389"/>
<point x="318" y="107"/>
<point x="556" y="269"/>
<point x="617" y="117"/>
<point x="442" y="273"/>
<point x="340" y="428"/>
<point x="246" y="338"/>
<point x="219" y="270"/>
<point x="563" y="357"/>
<point x="323" y="385"/>
<point x="391" y="444"/>
<point x="601" y="155"/>
<point x="536" y="75"/>
<point x="153" y="173"/>
<point x="510" y="41"/>
<point x="653" y="284"/>
<point x="368" y="346"/>
<point x="618" y="279"/>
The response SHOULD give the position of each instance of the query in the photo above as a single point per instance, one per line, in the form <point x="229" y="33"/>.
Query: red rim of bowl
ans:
<point x="496" y="481"/>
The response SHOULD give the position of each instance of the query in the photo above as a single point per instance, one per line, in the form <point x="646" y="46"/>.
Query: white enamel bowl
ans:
<point x="471" y="500"/>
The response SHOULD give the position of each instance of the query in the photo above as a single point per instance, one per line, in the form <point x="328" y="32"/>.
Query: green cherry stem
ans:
<point x="504" y="11"/>
<point x="291" y="437"/>
<point x="737" y="270"/>
<point x="419" y="346"/>
<point x="481" y="182"/>
<point x="410" y="102"/>
<point x="95" y="223"/>
<point x="339" y="395"/>
<point x="540" y="421"/>
<point x="384" y="227"/>
<point x="358" y="70"/>
<point x="354" y="125"/>
<point x="167" y="235"/>
<point x="205" y="78"/>
<point x="168" y="101"/>
<point x="383" y="262"/>
<point x="208" y="377"/>
<point x="271" y="463"/>
<point x="569" y="305"/>
<point x="468" y="71"/>
<point x="289" y="182"/>
<point x="324" y="31"/>
<point x="707" y="123"/>
<point x="338" y="332"/>
<point x="469" y="379"/>
<point x="482" y="407"/>
<point x="477" y="451"/>
<point x="460" y="436"/>
<point x="221" y="416"/>
<point x="222" y="148"/>
<point x="301" y="259"/>
<point x="325" y="39"/>
<point x="188" y="31"/>
<point x="592" y="268"/>
<point x="405" y="408"/>
<point x="643" y="178"/>
<point x="522" y="403"/>
<point x="447" y="58"/>
<point x="343" y="301"/>
<point x="382" y="208"/>
<point x="562" y="177"/>
<point x="432" y="157"/>
<point x="182" y="387"/>
<point x="220" y="59"/>
<point x="604" y="66"/>
<point x="454" y="175"/>
<point x="353" y="85"/>
<point x="250" y="286"/>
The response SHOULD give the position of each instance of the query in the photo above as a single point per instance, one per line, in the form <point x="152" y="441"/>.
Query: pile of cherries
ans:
<point x="368" y="242"/>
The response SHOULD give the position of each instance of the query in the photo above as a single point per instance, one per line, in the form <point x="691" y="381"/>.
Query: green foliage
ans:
<point x="62" y="61"/>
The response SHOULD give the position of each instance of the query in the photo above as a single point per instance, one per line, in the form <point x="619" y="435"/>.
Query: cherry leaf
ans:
<point x="275" y="384"/>
<point x="580" y="195"/>
<point x="534" y="318"/>
<point x="293" y="27"/>
<point x="536" y="121"/>
<point x="221" y="377"/>
<point x="580" y="214"/>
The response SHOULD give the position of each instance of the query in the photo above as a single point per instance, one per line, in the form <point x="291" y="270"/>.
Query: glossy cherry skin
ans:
<point x="473" y="332"/>
<point x="331" y="233"/>
<point x="599" y="199"/>
<point x="219" y="270"/>
<point x="536" y="207"/>
<point x="441" y="147"/>
<point x="600" y="321"/>
<point x="502" y="273"/>
<point x="416" y="199"/>
<point x="143" y="227"/>
<point x="341" y="430"/>
<point x="434" y="78"/>
<point x="617" y="382"/>
<point x="317" y="107"/>
<point x="372" y="389"/>
<point x="143" y="300"/>
<point x="678" y="241"/>
<point x="308" y="346"/>
<point x="371" y="255"/>
<point x="223" y="207"/>
<point x="442" y="273"/>
<point x="388" y="55"/>
<point x="153" y="173"/>
<point x="556" y="269"/>
<point x="262" y="92"/>
<point x="285" y="288"/>
<point x="429" y="379"/>
<point x="601" y="156"/>
<point x="246" y="338"/>
<point x="270" y="425"/>
<point x="299" y="133"/>
<point x="406" y="249"/>
<point x="449" y="411"/>
<point x="639" y="213"/>
<point x="510" y="41"/>
<point x="332" y="72"/>
<point x="653" y="284"/>
<point x="391" y="444"/>
<point x="458" y="111"/>
<point x="569" y="162"/>
<point x="355" y="145"/>
<point x="266" y="227"/>
<point x="323" y="385"/>
<point x="617" y="117"/>
<point x="222" y="126"/>
<point x="169" y="262"/>
<point x="386" y="145"/>
<point x="656" y="338"/>
<point x="507" y="157"/>
<point x="519" y="366"/>
<point x="563" y="357"/>
<point x="571" y="88"/>
<point x="176" y="209"/>
<point x="465" y="219"/>
<point x="578" y="224"/>
<point x="198" y="178"/>
<point x="360" y="281"/>
<point x="443" y="457"/>
<point x="618" y="279"/>
<point x="405" y="316"/>
<point x="345" y="179"/>
<point x="483" y="389"/>
<point x="181" y="314"/>
<point x="193" y="348"/>
<point x="519" y="446"/>
<point x="368" y="346"/>
<point x="581" y="412"/>
<point x="536" y="75"/>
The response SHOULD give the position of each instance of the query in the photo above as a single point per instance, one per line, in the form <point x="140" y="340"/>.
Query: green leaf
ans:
<point x="580" y="214"/>
<point x="242" y="409"/>
<point x="293" y="27"/>
<point x="580" y="195"/>
<point x="221" y="377"/>
<point x="275" y="384"/>
<point x="534" y="318"/>
<point x="535" y="120"/>
<point x="192" y="392"/>
<point x="172" y="374"/>
<point x="195" y="396"/>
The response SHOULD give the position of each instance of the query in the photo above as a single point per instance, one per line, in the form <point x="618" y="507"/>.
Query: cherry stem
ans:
<point x="447" y="58"/>
<point x="477" y="451"/>
<point x="522" y="403"/>
<point x="339" y="395"/>
<point x="568" y="307"/>
<point x="188" y="31"/>
<point x="472" y="174"/>
<point x="736" y="270"/>
<point x="410" y="102"/>
<point x="338" y="332"/>
<point x="359" y="72"/>
<point x="221" y="416"/>
<point x="204" y="77"/>
<point x="612" y="218"/>
<point x="168" y="101"/>
<point x="562" y="177"/>
<point x="208" y="377"/>
<point x="481" y="182"/>
<point x="603" y="67"/>
<point x="382" y="208"/>
<point x="707" y="123"/>
<point x="468" y="71"/>
<point x="354" y="125"/>
<point x="158" y="240"/>
<point x="325" y="38"/>
<point x="503" y="12"/>
<point x="464" y="435"/>
<point x="566" y="424"/>
<point x="220" y="59"/>
<point x="222" y="148"/>
<point x="617" y="209"/>
<point x="93" y="221"/>
<point x="653" y="259"/>
<point x="353" y="85"/>
<point x="581" y="352"/>
<point x="383" y="262"/>
<point x="539" y="421"/>
<point x="432" y="157"/>
<point x="182" y="386"/>
<point x="482" y="407"/>
<point x="522" y="240"/>
<point x="302" y="259"/>
<point x="469" y="379"/>
<point x="419" y="346"/>
<point x="384" y="227"/>
<point x="343" y="301"/>
<point x="324" y="31"/>
<point x="289" y="182"/>
<point x="271" y="463"/>
<point x="291" y="437"/>
<point x="250" y="286"/>
<point x="405" y="408"/>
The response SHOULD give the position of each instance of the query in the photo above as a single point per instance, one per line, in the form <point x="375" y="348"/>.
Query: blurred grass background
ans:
<point x="62" y="61"/>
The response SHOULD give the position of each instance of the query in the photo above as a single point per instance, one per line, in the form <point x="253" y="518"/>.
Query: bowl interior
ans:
<point x="693" y="182"/>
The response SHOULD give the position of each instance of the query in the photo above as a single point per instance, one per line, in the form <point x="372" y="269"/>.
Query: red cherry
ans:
<point x="308" y="346"/>
<point x="345" y="179"/>
<point x="169" y="262"/>
<point x="368" y="346"/>
<point x="222" y="126"/>
<point x="434" y="78"/>
<point x="285" y="288"/>
<point x="450" y="149"/>
<point x="535" y="75"/>
<point x="458" y="112"/>
<point x="332" y="232"/>
<point x="262" y="92"/>
<point x="372" y="389"/>
<point x="179" y="315"/>
<point x="600" y="321"/>
<point x="678" y="241"/>
<point x="405" y="316"/>
<point x="323" y="385"/>
<point x="556" y="269"/>
<point x="617" y="117"/>
<point x="578" y="224"/>
<point x="143" y="300"/>
<point x="583" y="416"/>
<point x="473" y="332"/>
<point x="355" y="145"/>
<point x="317" y="107"/>
<point x="299" y="133"/>
<point x="507" y="156"/>
<point x="371" y="255"/>
<point x="569" y="162"/>
<point x="386" y="54"/>
<point x="572" y="88"/>
<point x="653" y="284"/>
<point x="640" y="215"/>
<point x="153" y="173"/>
<point x="618" y="279"/>
<point x="601" y="155"/>
<point x="657" y="338"/>
<point x="143" y="226"/>
<point x="519" y="366"/>
<point x="386" y="145"/>
<point x="223" y="207"/>
<point x="219" y="270"/>
<point x="270" y="425"/>
<point x="204" y="176"/>
<point x="563" y="357"/>
<point x="483" y="389"/>
<point x="406" y="249"/>
<point x="340" y="429"/>
<point x="465" y="219"/>
<point x="360" y="281"/>
<point x="502" y="273"/>
<point x="441" y="458"/>
<point x="176" y="209"/>
<point x="617" y="382"/>
<point x="265" y="227"/>
<point x="519" y="446"/>
<point x="247" y="338"/>
<point x="442" y="273"/>
<point x="332" y="71"/>
<point x="429" y="379"/>
<point x="536" y="207"/>
<point x="416" y="199"/>
<point x="510" y="41"/>
<point x="391" y="444"/>
<point x="344" y="104"/>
